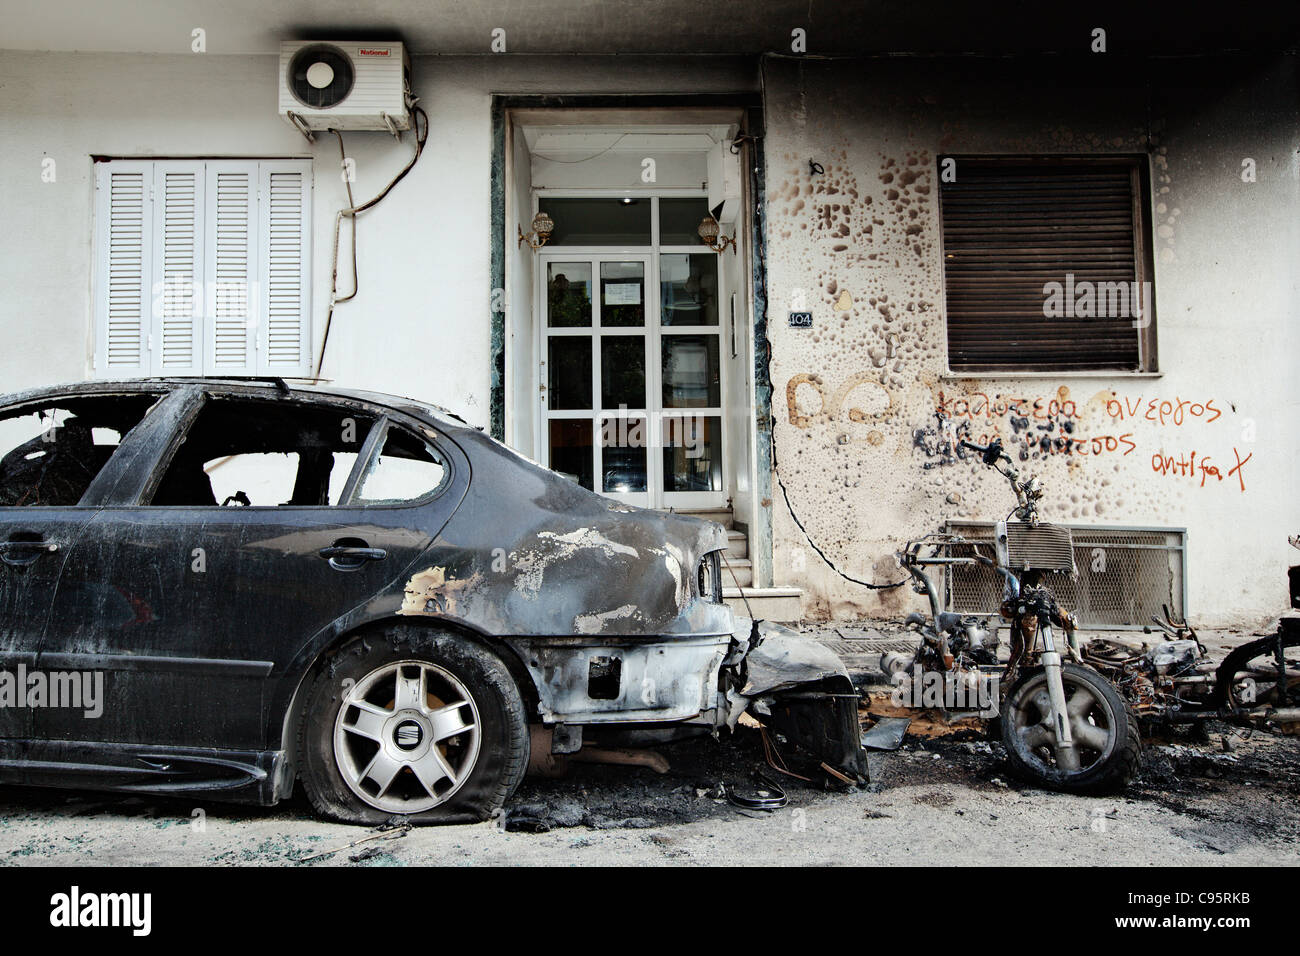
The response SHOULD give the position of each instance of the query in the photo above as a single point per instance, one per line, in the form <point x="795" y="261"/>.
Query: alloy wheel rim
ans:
<point x="1091" y="726"/>
<point x="406" y="737"/>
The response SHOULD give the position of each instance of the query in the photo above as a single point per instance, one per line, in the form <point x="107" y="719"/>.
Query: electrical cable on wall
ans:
<point x="820" y="553"/>
<point x="762" y="82"/>
<point x="347" y="183"/>
<point x="351" y="213"/>
<point x="586" y="159"/>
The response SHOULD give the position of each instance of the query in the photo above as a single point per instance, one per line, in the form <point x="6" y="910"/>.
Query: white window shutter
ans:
<point x="124" y="248"/>
<point x="286" y="263"/>
<point x="177" y="292"/>
<point x="232" y="297"/>
<point x="203" y="267"/>
<point x="286" y="191"/>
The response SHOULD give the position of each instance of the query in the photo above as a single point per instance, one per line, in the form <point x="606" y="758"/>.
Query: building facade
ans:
<point x="1090" y="256"/>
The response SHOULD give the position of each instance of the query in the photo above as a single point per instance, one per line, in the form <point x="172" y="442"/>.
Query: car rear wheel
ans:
<point x="416" y="725"/>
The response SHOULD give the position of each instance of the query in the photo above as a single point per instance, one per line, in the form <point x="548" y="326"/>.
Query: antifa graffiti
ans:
<point x="1041" y="426"/>
<point x="1199" y="470"/>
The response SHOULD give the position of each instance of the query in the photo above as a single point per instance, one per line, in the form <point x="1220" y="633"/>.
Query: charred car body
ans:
<point x="354" y="591"/>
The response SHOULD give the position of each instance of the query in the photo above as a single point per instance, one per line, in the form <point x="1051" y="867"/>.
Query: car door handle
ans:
<point x="348" y="557"/>
<point x="20" y="553"/>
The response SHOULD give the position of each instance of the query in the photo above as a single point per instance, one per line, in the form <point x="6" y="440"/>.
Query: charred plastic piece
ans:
<point x="802" y="690"/>
<point x="1175" y="682"/>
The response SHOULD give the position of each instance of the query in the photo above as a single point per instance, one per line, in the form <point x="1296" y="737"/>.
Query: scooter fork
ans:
<point x="1067" y="754"/>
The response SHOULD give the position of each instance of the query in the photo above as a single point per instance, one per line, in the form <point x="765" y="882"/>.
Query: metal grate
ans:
<point x="845" y="648"/>
<point x="1123" y="575"/>
<point x="1045" y="548"/>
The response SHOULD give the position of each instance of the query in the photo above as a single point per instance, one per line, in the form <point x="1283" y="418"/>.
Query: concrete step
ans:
<point x="722" y="516"/>
<point x="783" y="605"/>
<point x="737" y="545"/>
<point x="737" y="572"/>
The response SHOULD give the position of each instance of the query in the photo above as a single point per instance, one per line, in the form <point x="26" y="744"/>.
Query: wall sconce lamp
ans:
<point x="709" y="235"/>
<point x="543" y="226"/>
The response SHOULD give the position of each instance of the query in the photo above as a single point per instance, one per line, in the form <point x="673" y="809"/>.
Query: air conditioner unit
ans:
<point x="340" y="85"/>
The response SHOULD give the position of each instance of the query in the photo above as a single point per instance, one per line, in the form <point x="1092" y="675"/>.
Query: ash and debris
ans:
<point x="1217" y="793"/>
<point x="601" y="797"/>
<point x="1234" y="787"/>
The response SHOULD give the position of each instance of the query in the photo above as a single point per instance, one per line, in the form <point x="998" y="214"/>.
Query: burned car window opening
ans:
<point x="251" y="453"/>
<point x="50" y="455"/>
<point x="405" y="470"/>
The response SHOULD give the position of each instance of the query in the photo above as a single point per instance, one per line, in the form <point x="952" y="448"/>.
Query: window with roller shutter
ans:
<point x="1013" y="225"/>
<point x="203" y="267"/>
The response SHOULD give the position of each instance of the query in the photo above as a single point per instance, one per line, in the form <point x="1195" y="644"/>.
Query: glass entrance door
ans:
<point x="595" y="390"/>
<point x="631" y="393"/>
<point x="688" y="380"/>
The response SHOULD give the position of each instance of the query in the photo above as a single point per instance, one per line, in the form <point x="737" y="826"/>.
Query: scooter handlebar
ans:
<point x="991" y="453"/>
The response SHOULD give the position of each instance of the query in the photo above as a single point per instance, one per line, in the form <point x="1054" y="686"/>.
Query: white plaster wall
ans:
<point x="1226" y="303"/>
<point x="421" y="324"/>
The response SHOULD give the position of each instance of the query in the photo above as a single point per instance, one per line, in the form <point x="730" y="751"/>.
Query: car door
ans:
<point x="55" y="452"/>
<point x="227" y="592"/>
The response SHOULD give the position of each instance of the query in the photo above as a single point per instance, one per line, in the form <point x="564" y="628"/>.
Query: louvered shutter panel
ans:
<point x="125" y="260"/>
<point x="286" y="216"/>
<point x="1011" y="227"/>
<point x="203" y="267"/>
<point x="232" y="256"/>
<point x="177" y="293"/>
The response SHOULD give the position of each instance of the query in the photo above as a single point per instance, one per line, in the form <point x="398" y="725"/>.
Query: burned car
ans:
<point x="234" y="586"/>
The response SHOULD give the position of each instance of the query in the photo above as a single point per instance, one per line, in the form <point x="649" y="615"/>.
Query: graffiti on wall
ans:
<point x="1036" y="427"/>
<point x="874" y="371"/>
<point x="829" y="408"/>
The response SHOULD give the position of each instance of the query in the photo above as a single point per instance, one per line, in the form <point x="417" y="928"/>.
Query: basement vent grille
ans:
<point x="1123" y="575"/>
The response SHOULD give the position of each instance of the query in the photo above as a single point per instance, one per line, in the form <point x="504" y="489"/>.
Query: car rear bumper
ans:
<point x="793" y="685"/>
<point x="624" y="680"/>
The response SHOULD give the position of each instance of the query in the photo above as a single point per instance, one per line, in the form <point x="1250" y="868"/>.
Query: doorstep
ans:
<point x="783" y="605"/>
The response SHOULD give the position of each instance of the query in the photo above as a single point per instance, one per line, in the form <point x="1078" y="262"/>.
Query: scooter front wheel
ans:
<point x="1105" y="733"/>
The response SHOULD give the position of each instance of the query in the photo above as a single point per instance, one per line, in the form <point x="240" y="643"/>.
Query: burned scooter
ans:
<point x="1063" y="724"/>
<point x="1174" y="682"/>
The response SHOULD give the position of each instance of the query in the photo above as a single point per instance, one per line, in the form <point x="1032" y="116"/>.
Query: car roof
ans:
<point x="267" y="387"/>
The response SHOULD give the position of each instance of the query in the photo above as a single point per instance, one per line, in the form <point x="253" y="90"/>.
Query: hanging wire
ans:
<point x="585" y="159"/>
<point x="351" y="213"/>
<point x="820" y="553"/>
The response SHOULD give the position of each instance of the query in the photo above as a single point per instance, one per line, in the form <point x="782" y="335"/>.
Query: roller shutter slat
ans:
<point x="1011" y="227"/>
